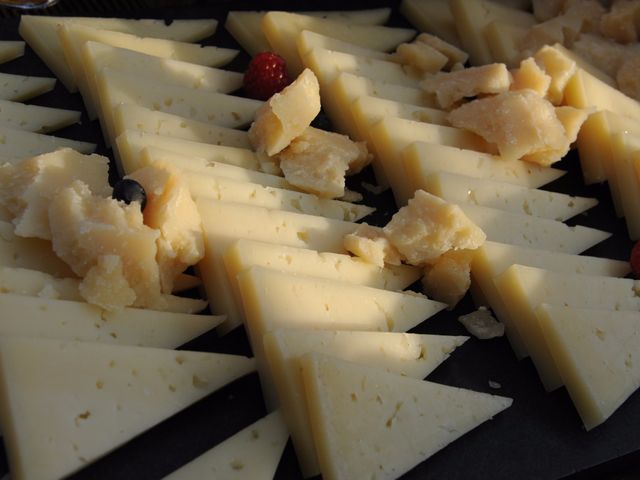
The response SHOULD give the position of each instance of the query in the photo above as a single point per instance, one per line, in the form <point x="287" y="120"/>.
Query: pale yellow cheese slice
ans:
<point x="100" y="403"/>
<point x="34" y="118"/>
<point x="406" y="354"/>
<point x="456" y="188"/>
<point x="594" y="146"/>
<point x="40" y="32"/>
<point x="254" y="452"/>
<point x="127" y="116"/>
<point x="96" y="56"/>
<point x="10" y="50"/>
<point x="273" y="299"/>
<point x="18" y="88"/>
<point x="493" y="258"/>
<point x="28" y="316"/>
<point x="595" y="352"/>
<point x="308" y="41"/>
<point x="116" y="87"/>
<point x="404" y="420"/>
<point x="432" y="16"/>
<point x="18" y="144"/>
<point x="524" y="288"/>
<point x="282" y="30"/>
<point x="625" y="144"/>
<point x="503" y="40"/>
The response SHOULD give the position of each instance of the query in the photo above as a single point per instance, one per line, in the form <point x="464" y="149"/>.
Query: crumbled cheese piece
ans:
<point x="105" y="284"/>
<point x="453" y="53"/>
<point x="270" y="165"/>
<point x="449" y="278"/>
<point x="628" y="77"/>
<point x="85" y="227"/>
<point x="531" y="76"/>
<point x="375" y="189"/>
<point x="494" y="384"/>
<point x="602" y="53"/>
<point x="559" y="67"/>
<point x="428" y="226"/>
<point x="351" y="196"/>
<point x="171" y="210"/>
<point x="620" y="23"/>
<point x="481" y="324"/>
<point x="451" y="87"/>
<point x="317" y="161"/>
<point x="421" y="56"/>
<point x="548" y="32"/>
<point x="371" y="244"/>
<point x="519" y="122"/>
<point x="27" y="187"/>
<point x="286" y="114"/>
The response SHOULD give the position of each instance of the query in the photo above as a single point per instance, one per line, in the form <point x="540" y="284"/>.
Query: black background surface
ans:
<point x="539" y="437"/>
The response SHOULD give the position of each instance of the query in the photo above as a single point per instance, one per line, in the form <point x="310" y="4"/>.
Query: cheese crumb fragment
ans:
<point x="171" y="210"/>
<point x="453" y="53"/>
<point x="559" y="67"/>
<point x="105" y="284"/>
<point x="421" y="56"/>
<point x="531" y="76"/>
<point x="286" y="114"/>
<point x="451" y="87"/>
<point x="481" y="324"/>
<point x="371" y="244"/>
<point x="449" y="278"/>
<point x="428" y="226"/>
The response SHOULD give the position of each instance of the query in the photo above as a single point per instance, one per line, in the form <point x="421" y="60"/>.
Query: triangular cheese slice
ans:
<point x="596" y="353"/>
<point x="252" y="453"/>
<point x="65" y="404"/>
<point x="18" y="88"/>
<point x="68" y="320"/>
<point x="18" y="144"/>
<point x="407" y="354"/>
<point x="10" y="50"/>
<point x="273" y="299"/>
<point x="34" y="118"/>
<point x="368" y="423"/>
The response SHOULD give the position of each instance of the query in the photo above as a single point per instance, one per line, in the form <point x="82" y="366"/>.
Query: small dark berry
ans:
<point x="265" y="76"/>
<point x="128" y="191"/>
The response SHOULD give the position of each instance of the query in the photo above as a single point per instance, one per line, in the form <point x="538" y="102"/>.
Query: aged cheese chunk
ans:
<point x="171" y="210"/>
<point x="620" y="23"/>
<point x="34" y="118"/>
<point x="10" y="50"/>
<point x="286" y="114"/>
<point x="308" y="40"/>
<point x="481" y="324"/>
<point x="371" y="245"/>
<point x="404" y="420"/>
<point x="453" y="53"/>
<point x="100" y="405"/>
<point x="406" y="354"/>
<point x="559" y="67"/>
<point x="595" y="352"/>
<point x="421" y="56"/>
<point x="18" y="88"/>
<point x="451" y="87"/>
<point x="16" y="145"/>
<point x="28" y="316"/>
<point x="531" y="76"/>
<point x="272" y="300"/>
<point x="428" y="226"/>
<point x="317" y="161"/>
<point x="524" y="288"/>
<point x="29" y="187"/>
<point x="449" y="278"/>
<point x="254" y="452"/>
<point x="492" y="258"/>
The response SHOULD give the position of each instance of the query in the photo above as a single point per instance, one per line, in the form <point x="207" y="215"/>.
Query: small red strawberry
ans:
<point x="266" y="75"/>
<point x="635" y="260"/>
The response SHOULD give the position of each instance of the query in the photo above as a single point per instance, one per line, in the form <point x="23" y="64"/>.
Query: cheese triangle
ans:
<point x="65" y="404"/>
<point x="252" y="453"/>
<point x="368" y="423"/>
<point x="10" y="50"/>
<point x="19" y="144"/>
<point x="18" y="88"/>
<point x="34" y="118"/>
<point x="596" y="354"/>
<point x="407" y="354"/>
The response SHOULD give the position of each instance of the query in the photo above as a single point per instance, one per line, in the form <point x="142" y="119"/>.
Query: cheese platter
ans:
<point x="539" y="436"/>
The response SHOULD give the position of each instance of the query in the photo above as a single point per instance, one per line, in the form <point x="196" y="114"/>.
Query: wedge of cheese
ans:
<point x="405" y="420"/>
<point x="254" y="452"/>
<point x="282" y="30"/>
<point x="18" y="144"/>
<point x="595" y="352"/>
<point x="503" y="40"/>
<point x="493" y="258"/>
<point x="41" y="33"/>
<point x="527" y="231"/>
<point x="10" y="50"/>
<point x="432" y="16"/>
<point x="243" y="254"/>
<point x="18" y="88"/>
<point x="116" y="87"/>
<point x="224" y="223"/>
<point x="127" y="116"/>
<point x="130" y="145"/>
<point x="102" y="394"/>
<point x="96" y="56"/>
<point x="625" y="146"/>
<point x="246" y="26"/>
<point x="593" y="145"/>
<point x="34" y="118"/>
<point x="524" y="288"/>
<point x="27" y="316"/>
<point x="460" y="189"/>
<point x="406" y="354"/>
<point x="308" y="41"/>
<point x="273" y="299"/>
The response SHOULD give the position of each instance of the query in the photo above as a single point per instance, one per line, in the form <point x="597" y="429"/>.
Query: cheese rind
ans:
<point x="18" y="88"/>
<point x="34" y="118"/>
